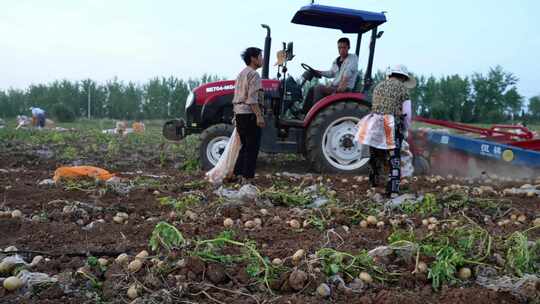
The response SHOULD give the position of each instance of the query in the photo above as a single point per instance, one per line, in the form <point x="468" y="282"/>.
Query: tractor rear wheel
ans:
<point x="213" y="142"/>
<point x="330" y="140"/>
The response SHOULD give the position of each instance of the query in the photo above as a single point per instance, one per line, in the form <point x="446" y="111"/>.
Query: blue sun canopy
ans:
<point x="347" y="20"/>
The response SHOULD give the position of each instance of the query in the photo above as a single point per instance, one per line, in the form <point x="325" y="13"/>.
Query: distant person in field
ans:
<point x="38" y="117"/>
<point x="344" y="71"/>
<point x="384" y="129"/>
<point x="249" y="120"/>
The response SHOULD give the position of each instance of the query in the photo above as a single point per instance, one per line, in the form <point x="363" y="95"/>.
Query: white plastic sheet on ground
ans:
<point x="23" y="121"/>
<point x="524" y="287"/>
<point x="400" y="200"/>
<point x="227" y="161"/>
<point x="245" y="194"/>
<point x="31" y="279"/>
<point x="15" y="260"/>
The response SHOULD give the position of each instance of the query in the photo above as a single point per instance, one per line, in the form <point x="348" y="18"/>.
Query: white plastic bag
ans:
<point x="227" y="161"/>
<point x="377" y="130"/>
<point x="407" y="168"/>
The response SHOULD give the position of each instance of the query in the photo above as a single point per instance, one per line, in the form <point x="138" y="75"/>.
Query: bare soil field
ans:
<point x="160" y="234"/>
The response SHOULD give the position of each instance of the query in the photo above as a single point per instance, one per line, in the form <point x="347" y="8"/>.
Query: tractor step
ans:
<point x="295" y="123"/>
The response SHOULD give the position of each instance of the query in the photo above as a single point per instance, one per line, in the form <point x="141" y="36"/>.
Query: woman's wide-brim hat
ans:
<point x="402" y="70"/>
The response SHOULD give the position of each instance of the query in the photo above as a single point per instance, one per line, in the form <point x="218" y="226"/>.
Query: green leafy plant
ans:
<point x="520" y="257"/>
<point x="113" y="148"/>
<point x="257" y="265"/>
<point x="93" y="262"/>
<point x="69" y="153"/>
<point x="210" y="251"/>
<point x="318" y="222"/>
<point x="85" y="184"/>
<point x="182" y="204"/>
<point x="427" y="206"/>
<point x="334" y="262"/>
<point x="146" y="182"/>
<point x="195" y="185"/>
<point x="473" y="240"/>
<point x="165" y="236"/>
<point x="400" y="235"/>
<point x="287" y="198"/>
<point x="191" y="165"/>
<point x="57" y="138"/>
<point x="445" y="265"/>
<point x="468" y="244"/>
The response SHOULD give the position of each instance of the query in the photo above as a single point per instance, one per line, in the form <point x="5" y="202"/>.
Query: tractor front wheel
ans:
<point x="330" y="141"/>
<point x="213" y="142"/>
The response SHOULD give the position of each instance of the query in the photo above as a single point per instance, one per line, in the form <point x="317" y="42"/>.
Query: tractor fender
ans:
<point x="215" y="107"/>
<point x="332" y="99"/>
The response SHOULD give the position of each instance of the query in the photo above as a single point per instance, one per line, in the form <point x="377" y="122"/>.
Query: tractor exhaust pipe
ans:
<point x="368" y="80"/>
<point x="267" y="44"/>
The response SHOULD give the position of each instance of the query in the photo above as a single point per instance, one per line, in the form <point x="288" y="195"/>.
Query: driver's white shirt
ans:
<point x="349" y="69"/>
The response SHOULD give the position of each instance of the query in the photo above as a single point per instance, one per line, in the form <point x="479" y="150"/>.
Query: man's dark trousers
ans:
<point x="250" y="137"/>
<point x="41" y="120"/>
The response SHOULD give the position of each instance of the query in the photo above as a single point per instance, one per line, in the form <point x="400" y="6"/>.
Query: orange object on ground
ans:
<point x="138" y="127"/>
<point x="80" y="172"/>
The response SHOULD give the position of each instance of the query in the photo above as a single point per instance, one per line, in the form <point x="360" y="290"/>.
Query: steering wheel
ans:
<point x="311" y="70"/>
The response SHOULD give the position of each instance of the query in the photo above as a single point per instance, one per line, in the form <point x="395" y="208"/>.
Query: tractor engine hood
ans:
<point x="207" y="92"/>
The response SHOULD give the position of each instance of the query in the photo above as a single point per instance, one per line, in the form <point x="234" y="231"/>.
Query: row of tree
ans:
<point x="157" y="98"/>
<point x="491" y="97"/>
<point x="479" y="98"/>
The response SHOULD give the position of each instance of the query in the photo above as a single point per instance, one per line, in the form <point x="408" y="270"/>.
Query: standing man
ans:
<point x="38" y="117"/>
<point x="344" y="71"/>
<point x="248" y="116"/>
<point x="384" y="129"/>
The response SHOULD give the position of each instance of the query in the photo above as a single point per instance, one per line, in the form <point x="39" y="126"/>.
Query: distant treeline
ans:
<point x="478" y="98"/>
<point x="157" y="98"/>
<point x="491" y="97"/>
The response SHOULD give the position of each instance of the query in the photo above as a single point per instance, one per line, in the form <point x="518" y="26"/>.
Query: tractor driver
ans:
<point x="344" y="71"/>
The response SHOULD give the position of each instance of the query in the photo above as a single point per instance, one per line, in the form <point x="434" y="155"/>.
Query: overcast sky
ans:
<point x="134" y="40"/>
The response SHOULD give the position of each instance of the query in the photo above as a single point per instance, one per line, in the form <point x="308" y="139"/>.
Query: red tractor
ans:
<point x="325" y="136"/>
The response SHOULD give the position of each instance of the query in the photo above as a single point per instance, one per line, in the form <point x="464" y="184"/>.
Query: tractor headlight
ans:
<point x="190" y="99"/>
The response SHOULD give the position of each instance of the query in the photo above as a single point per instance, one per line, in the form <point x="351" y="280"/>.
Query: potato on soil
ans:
<point x="298" y="279"/>
<point x="12" y="283"/>
<point x="142" y="255"/>
<point x="298" y="256"/>
<point x="135" y="266"/>
<point x="133" y="292"/>
<point x="365" y="277"/>
<point x="122" y="259"/>
<point x="464" y="273"/>
<point x="422" y="267"/>
<point x="228" y="222"/>
<point x="294" y="224"/>
<point x="371" y="220"/>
